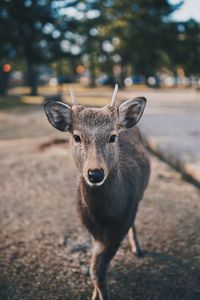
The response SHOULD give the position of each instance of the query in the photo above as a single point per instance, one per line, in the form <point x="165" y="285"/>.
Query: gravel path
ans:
<point x="45" y="252"/>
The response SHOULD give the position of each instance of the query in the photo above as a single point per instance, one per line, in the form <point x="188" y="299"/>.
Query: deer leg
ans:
<point x="95" y="293"/>
<point x="101" y="257"/>
<point x="134" y="242"/>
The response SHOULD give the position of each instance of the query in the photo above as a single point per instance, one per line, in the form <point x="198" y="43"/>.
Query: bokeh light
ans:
<point x="6" y="68"/>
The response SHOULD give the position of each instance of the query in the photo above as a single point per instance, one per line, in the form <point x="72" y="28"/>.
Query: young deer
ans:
<point x="114" y="172"/>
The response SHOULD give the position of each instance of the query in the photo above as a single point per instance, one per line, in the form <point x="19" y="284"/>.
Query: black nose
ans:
<point x="96" y="175"/>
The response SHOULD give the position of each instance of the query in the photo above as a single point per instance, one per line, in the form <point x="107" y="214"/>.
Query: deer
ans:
<point x="114" y="171"/>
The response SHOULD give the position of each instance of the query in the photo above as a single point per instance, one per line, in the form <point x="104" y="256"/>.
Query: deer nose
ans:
<point x="96" y="175"/>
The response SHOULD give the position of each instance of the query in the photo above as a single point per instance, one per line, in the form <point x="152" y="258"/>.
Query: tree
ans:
<point x="91" y="21"/>
<point x="6" y="51"/>
<point x="141" y="29"/>
<point x="187" y="50"/>
<point x="31" y="28"/>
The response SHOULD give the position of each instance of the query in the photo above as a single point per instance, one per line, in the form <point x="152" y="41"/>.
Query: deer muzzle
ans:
<point x="96" y="175"/>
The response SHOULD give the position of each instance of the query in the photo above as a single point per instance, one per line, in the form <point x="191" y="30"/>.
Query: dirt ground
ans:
<point x="45" y="251"/>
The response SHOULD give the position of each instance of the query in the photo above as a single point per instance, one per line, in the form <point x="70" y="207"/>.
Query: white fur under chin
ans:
<point x="93" y="185"/>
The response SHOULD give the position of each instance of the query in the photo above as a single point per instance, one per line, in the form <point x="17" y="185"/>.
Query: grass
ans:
<point x="10" y="102"/>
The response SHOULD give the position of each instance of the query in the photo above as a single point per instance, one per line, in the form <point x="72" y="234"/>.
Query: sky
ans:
<point x="190" y="9"/>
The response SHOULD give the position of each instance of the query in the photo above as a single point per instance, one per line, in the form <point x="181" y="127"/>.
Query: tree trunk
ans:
<point x="72" y="63"/>
<point x="123" y="75"/>
<point x="3" y="82"/>
<point x="92" y="71"/>
<point x="108" y="69"/>
<point x="32" y="78"/>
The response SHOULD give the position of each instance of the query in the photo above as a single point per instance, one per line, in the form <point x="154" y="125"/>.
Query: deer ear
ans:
<point x="58" y="114"/>
<point x="130" y="112"/>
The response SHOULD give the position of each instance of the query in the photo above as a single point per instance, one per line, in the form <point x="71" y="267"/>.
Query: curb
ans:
<point x="187" y="170"/>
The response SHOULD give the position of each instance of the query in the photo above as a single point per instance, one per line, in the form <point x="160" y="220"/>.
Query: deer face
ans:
<point x="94" y="142"/>
<point x="95" y="134"/>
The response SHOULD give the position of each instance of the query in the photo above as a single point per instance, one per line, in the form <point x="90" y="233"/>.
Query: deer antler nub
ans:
<point x="72" y="95"/>
<point x="114" y="95"/>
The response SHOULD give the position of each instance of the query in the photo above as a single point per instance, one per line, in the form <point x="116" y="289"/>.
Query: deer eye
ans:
<point x="112" y="138"/>
<point x="77" y="138"/>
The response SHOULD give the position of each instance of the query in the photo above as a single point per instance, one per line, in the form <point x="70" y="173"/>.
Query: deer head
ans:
<point x="95" y="133"/>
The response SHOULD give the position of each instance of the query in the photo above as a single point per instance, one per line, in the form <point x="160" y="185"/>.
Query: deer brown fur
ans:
<point x="114" y="171"/>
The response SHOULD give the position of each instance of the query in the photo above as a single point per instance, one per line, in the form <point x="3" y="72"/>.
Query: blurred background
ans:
<point x="52" y="43"/>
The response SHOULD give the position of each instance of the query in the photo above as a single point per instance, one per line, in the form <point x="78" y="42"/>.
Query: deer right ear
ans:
<point x="130" y="112"/>
<point x="58" y="114"/>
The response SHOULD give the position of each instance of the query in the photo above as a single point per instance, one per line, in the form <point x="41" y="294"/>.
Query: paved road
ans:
<point x="171" y="124"/>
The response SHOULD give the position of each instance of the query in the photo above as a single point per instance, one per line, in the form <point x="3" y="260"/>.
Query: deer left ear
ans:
<point x="130" y="112"/>
<point x="58" y="114"/>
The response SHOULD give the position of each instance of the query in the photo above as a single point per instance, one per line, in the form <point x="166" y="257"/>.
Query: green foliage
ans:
<point x="32" y="31"/>
<point x="184" y="51"/>
<point x="142" y="27"/>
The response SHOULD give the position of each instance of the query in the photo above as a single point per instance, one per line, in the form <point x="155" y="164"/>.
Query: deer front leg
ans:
<point x="101" y="257"/>
<point x="134" y="242"/>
